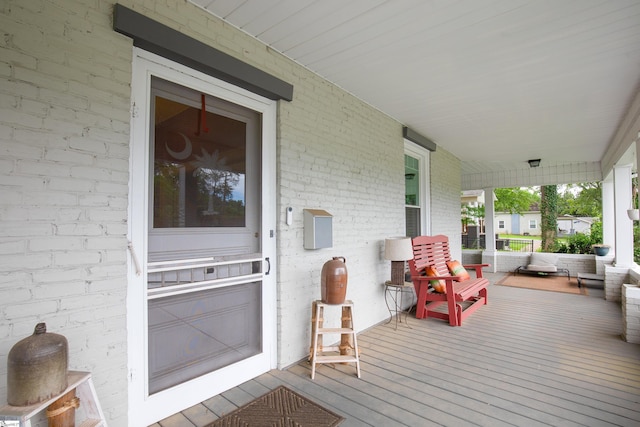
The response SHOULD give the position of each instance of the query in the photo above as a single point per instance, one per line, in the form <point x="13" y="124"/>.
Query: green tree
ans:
<point x="567" y="200"/>
<point x="515" y="200"/>
<point x="465" y="216"/>
<point x="472" y="215"/>
<point x="583" y="199"/>
<point x="476" y="212"/>
<point x="549" y="216"/>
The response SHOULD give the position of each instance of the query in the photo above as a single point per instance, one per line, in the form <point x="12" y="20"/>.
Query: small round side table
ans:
<point x="396" y="293"/>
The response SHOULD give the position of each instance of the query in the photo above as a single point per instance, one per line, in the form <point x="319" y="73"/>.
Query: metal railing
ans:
<point x="512" y="245"/>
<point x="517" y="245"/>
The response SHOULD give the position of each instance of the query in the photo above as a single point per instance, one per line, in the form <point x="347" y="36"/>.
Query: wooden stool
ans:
<point x="348" y="348"/>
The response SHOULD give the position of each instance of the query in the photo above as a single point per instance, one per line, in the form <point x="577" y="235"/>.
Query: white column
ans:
<point x="489" y="220"/>
<point x="623" y="225"/>
<point x="489" y="256"/>
<point x="608" y="213"/>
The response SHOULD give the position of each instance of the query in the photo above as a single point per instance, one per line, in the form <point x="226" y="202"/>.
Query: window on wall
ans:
<point x="532" y="224"/>
<point x="412" y="195"/>
<point x="501" y="224"/>
<point x="416" y="185"/>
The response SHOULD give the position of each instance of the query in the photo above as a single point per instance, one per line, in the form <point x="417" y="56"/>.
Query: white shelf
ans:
<point x="89" y="405"/>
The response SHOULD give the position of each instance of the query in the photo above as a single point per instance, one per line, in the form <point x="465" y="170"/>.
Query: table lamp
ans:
<point x="398" y="250"/>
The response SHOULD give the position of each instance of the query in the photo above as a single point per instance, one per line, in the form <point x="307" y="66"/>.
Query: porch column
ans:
<point x="608" y="213"/>
<point x="623" y="225"/>
<point x="489" y="255"/>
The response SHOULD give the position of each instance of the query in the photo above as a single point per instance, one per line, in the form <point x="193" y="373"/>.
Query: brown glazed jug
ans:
<point x="37" y="368"/>
<point x="334" y="281"/>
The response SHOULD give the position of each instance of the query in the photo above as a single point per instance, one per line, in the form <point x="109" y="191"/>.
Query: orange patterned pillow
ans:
<point x="438" y="285"/>
<point x="457" y="269"/>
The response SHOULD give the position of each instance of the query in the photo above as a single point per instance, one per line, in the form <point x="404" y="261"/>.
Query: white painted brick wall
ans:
<point x="509" y="261"/>
<point x="631" y="313"/>
<point x="615" y="277"/>
<point x="64" y="187"/>
<point x="64" y="162"/>
<point x="445" y="199"/>
<point x="340" y="155"/>
<point x="577" y="263"/>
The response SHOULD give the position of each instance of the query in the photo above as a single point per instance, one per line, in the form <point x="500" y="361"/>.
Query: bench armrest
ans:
<point x="477" y="267"/>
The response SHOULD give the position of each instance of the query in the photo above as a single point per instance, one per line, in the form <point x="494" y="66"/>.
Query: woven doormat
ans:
<point x="280" y="407"/>
<point x="543" y="283"/>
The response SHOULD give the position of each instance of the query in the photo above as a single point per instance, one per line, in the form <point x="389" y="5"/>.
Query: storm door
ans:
<point x="204" y="263"/>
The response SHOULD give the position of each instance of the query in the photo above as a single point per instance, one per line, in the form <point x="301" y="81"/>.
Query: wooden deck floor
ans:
<point x="530" y="358"/>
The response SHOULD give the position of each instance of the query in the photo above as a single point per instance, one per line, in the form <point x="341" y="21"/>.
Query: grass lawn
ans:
<point x="518" y="236"/>
<point x="521" y="237"/>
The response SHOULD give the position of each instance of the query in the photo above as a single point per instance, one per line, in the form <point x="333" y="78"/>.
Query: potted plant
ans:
<point x="601" y="249"/>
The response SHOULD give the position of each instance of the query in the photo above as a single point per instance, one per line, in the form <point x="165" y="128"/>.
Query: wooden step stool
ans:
<point x="348" y="348"/>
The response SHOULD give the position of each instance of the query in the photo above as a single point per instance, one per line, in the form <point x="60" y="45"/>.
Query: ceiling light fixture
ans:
<point x="534" y="163"/>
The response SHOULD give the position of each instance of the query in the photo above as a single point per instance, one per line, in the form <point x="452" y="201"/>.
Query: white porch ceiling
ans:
<point x="495" y="82"/>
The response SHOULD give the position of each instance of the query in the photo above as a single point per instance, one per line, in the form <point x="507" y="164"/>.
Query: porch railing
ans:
<point x="518" y="245"/>
<point x="512" y="245"/>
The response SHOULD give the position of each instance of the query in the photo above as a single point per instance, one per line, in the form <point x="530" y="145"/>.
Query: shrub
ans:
<point x="578" y="243"/>
<point x="596" y="232"/>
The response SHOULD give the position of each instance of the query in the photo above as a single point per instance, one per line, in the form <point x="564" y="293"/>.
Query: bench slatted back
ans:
<point x="431" y="251"/>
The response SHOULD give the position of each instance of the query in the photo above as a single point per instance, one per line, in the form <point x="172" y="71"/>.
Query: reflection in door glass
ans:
<point x="199" y="167"/>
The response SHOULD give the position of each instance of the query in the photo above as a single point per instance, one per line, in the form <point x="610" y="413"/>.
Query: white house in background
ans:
<point x="472" y="197"/>
<point x="528" y="224"/>
<point x="568" y="224"/>
<point x="504" y="222"/>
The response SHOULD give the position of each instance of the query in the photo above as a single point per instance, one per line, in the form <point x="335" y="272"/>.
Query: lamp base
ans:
<point x="397" y="273"/>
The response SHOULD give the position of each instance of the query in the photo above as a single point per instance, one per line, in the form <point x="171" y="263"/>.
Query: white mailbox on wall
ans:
<point x="318" y="229"/>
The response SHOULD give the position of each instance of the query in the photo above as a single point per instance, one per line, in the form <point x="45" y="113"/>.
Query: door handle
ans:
<point x="134" y="258"/>
<point x="268" y="266"/>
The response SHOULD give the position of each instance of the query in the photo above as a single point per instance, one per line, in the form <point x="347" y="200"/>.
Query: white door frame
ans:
<point x="144" y="409"/>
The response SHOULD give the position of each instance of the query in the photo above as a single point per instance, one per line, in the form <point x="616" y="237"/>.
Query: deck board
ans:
<point x="528" y="358"/>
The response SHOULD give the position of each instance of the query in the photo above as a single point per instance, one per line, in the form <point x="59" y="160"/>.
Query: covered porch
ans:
<point x="487" y="85"/>
<point x="530" y="358"/>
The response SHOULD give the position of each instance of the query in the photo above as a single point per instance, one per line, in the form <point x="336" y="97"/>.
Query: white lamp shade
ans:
<point x="398" y="249"/>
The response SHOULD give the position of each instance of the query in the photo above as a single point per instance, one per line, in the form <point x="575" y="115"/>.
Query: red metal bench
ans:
<point x="462" y="297"/>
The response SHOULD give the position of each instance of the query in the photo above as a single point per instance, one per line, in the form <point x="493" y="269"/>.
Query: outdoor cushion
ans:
<point x="543" y="262"/>
<point x="542" y="268"/>
<point x="457" y="269"/>
<point x="438" y="285"/>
